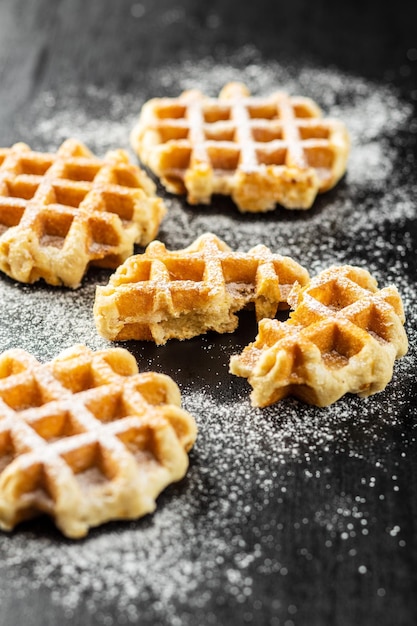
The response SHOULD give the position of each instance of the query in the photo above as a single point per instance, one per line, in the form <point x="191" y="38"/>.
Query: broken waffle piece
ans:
<point x="86" y="439"/>
<point x="342" y="337"/>
<point x="161" y="294"/>
<point x="261" y="151"/>
<point x="61" y="212"/>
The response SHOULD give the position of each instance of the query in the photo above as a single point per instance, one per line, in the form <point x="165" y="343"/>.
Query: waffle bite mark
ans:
<point x="343" y="337"/>
<point x="260" y="151"/>
<point x="86" y="438"/>
<point x="61" y="212"/>
<point x="161" y="294"/>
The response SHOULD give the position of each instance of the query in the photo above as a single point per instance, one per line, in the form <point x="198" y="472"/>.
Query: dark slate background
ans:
<point x="46" y="46"/>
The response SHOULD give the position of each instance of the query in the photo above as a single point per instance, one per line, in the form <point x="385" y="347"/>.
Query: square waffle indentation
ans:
<point x="185" y="269"/>
<point x="319" y="157"/>
<point x="68" y="194"/>
<point x="55" y="227"/>
<point x="90" y="463"/>
<point x="173" y="131"/>
<point x="178" y="158"/>
<point x="124" y="177"/>
<point x="10" y="214"/>
<point x="103" y="232"/>
<point x="335" y="295"/>
<point x="243" y="271"/>
<point x="10" y="366"/>
<point x="170" y="111"/>
<point x="83" y="171"/>
<point x="266" y="133"/>
<point x="137" y="272"/>
<point x="275" y="156"/>
<point x="216" y="113"/>
<point x="303" y="110"/>
<point x="23" y="394"/>
<point x="374" y="320"/>
<point x="38" y="485"/>
<point x="107" y="406"/>
<point x="226" y="159"/>
<point x="140" y="441"/>
<point x="74" y="376"/>
<point x="36" y="165"/>
<point x="22" y="187"/>
<point x="55" y="425"/>
<point x="119" y="203"/>
<point x="313" y="131"/>
<point x="336" y="342"/>
<point x="220" y="132"/>
<point x="263" y="111"/>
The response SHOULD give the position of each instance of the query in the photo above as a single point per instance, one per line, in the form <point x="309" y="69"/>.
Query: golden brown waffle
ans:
<point x="261" y="151"/>
<point x="86" y="439"/>
<point x="60" y="212"/>
<point x="343" y="337"/>
<point x="161" y="295"/>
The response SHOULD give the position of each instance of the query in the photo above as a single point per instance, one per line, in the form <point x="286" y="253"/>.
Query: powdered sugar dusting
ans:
<point x="215" y="535"/>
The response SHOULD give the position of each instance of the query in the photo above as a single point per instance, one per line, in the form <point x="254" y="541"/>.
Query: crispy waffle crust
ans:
<point x="85" y="438"/>
<point x="161" y="295"/>
<point x="343" y="336"/>
<point x="60" y="212"/>
<point x="260" y="151"/>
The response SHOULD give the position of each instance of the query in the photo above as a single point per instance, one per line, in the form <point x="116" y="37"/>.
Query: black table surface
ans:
<point x="290" y="515"/>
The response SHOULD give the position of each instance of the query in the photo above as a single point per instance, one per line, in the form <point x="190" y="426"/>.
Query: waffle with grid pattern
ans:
<point x="86" y="439"/>
<point x="342" y="337"/>
<point x="161" y="294"/>
<point x="60" y="212"/>
<point x="259" y="150"/>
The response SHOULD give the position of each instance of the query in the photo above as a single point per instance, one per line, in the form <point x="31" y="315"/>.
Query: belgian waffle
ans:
<point x="261" y="151"/>
<point x="342" y="337"/>
<point x="60" y="212"/>
<point x="85" y="438"/>
<point x="161" y="294"/>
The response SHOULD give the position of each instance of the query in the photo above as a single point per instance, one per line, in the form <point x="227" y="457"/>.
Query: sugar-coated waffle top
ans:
<point x="261" y="151"/>
<point x="164" y="294"/>
<point x="85" y="438"/>
<point x="59" y="212"/>
<point x="342" y="337"/>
